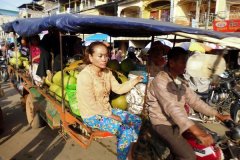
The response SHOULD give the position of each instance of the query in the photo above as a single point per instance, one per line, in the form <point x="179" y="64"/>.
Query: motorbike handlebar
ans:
<point x="229" y="123"/>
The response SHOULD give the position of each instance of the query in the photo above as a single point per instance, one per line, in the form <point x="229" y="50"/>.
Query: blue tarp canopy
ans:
<point x="112" y="26"/>
<point x="97" y="37"/>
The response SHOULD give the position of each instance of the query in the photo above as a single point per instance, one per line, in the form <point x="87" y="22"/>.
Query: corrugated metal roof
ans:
<point x="33" y="6"/>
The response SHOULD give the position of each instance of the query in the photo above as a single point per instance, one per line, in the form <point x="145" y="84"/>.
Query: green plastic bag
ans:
<point x="71" y="93"/>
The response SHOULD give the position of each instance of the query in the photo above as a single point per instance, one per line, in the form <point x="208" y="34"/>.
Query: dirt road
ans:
<point x="20" y="142"/>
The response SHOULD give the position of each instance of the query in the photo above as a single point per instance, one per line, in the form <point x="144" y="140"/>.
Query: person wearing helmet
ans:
<point x="166" y="98"/>
<point x="132" y="56"/>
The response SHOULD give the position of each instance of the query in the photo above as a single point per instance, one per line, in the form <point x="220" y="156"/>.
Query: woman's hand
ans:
<point x="117" y="118"/>
<point x="35" y="58"/>
<point x="222" y="117"/>
<point x="138" y="79"/>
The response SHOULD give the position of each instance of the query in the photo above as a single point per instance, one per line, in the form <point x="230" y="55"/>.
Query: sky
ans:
<point x="12" y="4"/>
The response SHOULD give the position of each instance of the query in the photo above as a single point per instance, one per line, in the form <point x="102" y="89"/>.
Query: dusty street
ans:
<point x="20" y="142"/>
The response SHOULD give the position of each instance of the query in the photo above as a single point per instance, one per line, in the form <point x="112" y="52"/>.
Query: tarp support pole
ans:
<point x="152" y="40"/>
<point x="15" y="52"/>
<point x="5" y="44"/>
<point x="31" y="62"/>
<point x="174" y="41"/>
<point x="62" y="79"/>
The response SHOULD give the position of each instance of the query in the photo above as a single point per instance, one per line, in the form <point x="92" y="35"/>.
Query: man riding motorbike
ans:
<point x="168" y="112"/>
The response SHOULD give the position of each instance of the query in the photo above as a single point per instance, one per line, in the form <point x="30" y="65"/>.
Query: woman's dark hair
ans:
<point x="11" y="46"/>
<point x="156" y="50"/>
<point x="35" y="38"/>
<point x="176" y="52"/>
<point x="131" y="55"/>
<point x="90" y="50"/>
<point x="26" y="39"/>
<point x="19" y="40"/>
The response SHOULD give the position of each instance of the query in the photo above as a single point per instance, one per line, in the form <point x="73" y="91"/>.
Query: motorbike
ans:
<point x="4" y="76"/>
<point x="151" y="147"/>
<point x="224" y="95"/>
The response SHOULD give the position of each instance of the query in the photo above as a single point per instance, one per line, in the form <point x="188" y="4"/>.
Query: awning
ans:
<point x="116" y="27"/>
<point x="228" y="41"/>
<point x="113" y="26"/>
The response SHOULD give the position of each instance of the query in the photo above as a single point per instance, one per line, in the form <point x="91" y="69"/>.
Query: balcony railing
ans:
<point x="187" y="20"/>
<point x="234" y="14"/>
<point x="203" y="19"/>
<point x="165" y="18"/>
<point x="182" y="20"/>
<point x="87" y="4"/>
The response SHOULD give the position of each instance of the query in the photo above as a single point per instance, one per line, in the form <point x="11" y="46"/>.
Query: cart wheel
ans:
<point x="1" y="120"/>
<point x="33" y="117"/>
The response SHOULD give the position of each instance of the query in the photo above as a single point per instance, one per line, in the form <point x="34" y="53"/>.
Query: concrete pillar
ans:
<point x="119" y="11"/>
<point x="198" y="5"/>
<point x="141" y="9"/>
<point x="122" y="46"/>
<point x="172" y="11"/>
<point x="228" y="11"/>
<point x="221" y="9"/>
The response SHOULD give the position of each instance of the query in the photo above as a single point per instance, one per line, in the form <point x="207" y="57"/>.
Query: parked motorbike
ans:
<point x="3" y="70"/>
<point x="231" y="145"/>
<point x="224" y="95"/>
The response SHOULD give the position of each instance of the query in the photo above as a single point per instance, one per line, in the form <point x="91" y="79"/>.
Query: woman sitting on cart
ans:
<point x="94" y="84"/>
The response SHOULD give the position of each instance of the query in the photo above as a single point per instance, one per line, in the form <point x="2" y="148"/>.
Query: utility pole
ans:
<point x="58" y="7"/>
<point x="208" y="14"/>
<point x="172" y="11"/>
<point x="198" y="4"/>
<point x="69" y="9"/>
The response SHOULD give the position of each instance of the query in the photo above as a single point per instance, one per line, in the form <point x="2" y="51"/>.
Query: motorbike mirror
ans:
<point x="229" y="123"/>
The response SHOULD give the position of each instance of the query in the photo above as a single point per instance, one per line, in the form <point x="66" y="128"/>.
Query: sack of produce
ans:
<point x="71" y="93"/>
<point x="135" y="97"/>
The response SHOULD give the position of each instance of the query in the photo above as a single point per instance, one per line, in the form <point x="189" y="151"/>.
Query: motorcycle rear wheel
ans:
<point x="235" y="112"/>
<point x="237" y="117"/>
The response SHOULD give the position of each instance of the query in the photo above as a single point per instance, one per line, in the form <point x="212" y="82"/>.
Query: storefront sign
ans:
<point x="227" y="25"/>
